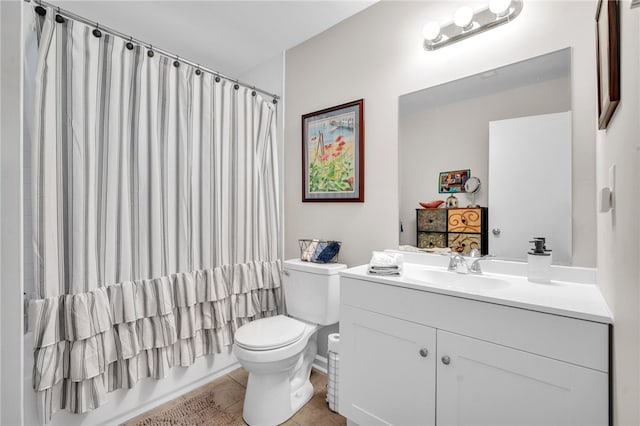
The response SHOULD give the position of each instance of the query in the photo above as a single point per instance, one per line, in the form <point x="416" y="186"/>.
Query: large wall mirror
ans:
<point x="496" y="124"/>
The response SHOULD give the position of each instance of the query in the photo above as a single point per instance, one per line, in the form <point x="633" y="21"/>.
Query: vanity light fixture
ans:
<point x="467" y="22"/>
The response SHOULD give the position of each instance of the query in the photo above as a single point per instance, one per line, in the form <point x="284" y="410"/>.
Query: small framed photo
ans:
<point x="333" y="154"/>
<point x="453" y="181"/>
<point x="607" y="60"/>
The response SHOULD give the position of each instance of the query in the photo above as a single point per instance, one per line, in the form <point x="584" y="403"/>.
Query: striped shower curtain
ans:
<point x="156" y="215"/>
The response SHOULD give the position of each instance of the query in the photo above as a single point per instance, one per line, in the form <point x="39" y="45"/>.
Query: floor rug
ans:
<point x="196" y="408"/>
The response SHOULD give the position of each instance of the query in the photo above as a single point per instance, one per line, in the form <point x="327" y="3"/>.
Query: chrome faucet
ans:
<point x="475" y="266"/>
<point x="458" y="264"/>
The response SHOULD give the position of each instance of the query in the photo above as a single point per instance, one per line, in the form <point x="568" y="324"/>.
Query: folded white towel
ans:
<point x="386" y="273"/>
<point x="381" y="258"/>
<point x="383" y="263"/>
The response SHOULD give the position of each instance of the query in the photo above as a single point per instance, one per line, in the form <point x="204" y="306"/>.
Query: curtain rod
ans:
<point x="131" y="39"/>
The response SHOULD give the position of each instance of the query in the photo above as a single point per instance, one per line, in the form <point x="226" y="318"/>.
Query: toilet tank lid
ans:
<point x="314" y="268"/>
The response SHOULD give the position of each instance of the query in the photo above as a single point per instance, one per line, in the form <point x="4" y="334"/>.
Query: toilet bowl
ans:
<point x="279" y="370"/>
<point x="278" y="351"/>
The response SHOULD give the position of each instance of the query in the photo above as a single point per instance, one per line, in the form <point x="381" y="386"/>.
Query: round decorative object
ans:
<point x="472" y="186"/>
<point x="452" y="202"/>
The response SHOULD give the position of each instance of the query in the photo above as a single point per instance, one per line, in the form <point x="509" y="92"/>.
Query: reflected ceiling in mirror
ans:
<point x="547" y="67"/>
<point x="446" y="127"/>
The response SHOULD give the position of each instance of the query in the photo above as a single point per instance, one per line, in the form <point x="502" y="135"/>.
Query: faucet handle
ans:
<point x="474" y="253"/>
<point x="475" y="266"/>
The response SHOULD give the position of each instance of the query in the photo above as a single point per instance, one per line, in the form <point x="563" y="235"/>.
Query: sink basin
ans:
<point x="455" y="280"/>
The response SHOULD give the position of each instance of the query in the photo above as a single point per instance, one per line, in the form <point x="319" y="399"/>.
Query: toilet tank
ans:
<point x="312" y="290"/>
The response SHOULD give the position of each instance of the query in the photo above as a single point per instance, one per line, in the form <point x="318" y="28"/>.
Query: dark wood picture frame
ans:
<point x="607" y="59"/>
<point x="333" y="154"/>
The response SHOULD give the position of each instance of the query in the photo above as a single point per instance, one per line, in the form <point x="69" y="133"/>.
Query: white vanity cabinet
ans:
<point x="401" y="393"/>
<point x="412" y="357"/>
<point x="481" y="383"/>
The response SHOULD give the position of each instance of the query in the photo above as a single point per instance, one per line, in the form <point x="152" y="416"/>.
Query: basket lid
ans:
<point x="314" y="268"/>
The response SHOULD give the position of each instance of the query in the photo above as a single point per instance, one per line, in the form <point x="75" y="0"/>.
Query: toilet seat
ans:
<point x="269" y="333"/>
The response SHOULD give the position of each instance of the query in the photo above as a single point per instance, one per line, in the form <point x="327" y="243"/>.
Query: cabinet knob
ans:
<point x="423" y="352"/>
<point x="446" y="360"/>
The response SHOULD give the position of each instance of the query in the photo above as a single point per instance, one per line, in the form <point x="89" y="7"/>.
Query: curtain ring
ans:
<point x="236" y="86"/>
<point x="198" y="72"/>
<point x="59" y="18"/>
<point x="96" y="32"/>
<point x="129" y="45"/>
<point x="275" y="100"/>
<point x="150" y="51"/>
<point x="40" y="10"/>
<point x="253" y="91"/>
<point x="176" y="63"/>
<point x="217" y="78"/>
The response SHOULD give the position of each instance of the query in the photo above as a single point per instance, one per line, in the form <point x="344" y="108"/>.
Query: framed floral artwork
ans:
<point x="333" y="154"/>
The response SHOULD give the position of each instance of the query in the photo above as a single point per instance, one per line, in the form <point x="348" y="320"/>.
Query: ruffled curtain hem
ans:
<point x="92" y="343"/>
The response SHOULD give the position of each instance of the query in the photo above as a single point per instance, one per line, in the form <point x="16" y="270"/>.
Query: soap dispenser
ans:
<point x="539" y="262"/>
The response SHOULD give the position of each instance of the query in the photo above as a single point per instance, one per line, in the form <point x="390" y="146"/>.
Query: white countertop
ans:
<point x="566" y="298"/>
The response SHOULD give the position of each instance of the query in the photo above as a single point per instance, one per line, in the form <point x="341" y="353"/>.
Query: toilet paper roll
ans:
<point x="334" y="342"/>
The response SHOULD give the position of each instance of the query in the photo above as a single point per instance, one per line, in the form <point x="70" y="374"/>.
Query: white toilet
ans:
<point x="278" y="351"/>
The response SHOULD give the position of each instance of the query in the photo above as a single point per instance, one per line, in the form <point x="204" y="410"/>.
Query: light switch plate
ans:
<point x="612" y="177"/>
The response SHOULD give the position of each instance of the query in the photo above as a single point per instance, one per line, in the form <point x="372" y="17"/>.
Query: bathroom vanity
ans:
<point x="433" y="347"/>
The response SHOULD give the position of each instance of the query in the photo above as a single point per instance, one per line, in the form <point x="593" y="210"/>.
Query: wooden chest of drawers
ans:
<point x="461" y="229"/>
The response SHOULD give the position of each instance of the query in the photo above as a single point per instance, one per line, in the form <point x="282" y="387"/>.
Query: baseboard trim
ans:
<point x="320" y="364"/>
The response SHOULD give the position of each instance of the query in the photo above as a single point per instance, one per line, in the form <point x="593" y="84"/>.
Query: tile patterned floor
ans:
<point x="229" y="395"/>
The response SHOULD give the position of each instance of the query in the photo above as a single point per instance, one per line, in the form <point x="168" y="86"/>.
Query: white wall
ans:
<point x="618" y="231"/>
<point x="456" y="136"/>
<point x="377" y="55"/>
<point x="10" y="214"/>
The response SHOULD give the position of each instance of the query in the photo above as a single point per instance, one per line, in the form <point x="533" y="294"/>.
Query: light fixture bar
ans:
<point x="481" y="21"/>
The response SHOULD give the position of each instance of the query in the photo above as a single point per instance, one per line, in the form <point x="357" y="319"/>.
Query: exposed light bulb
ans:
<point x="463" y="17"/>
<point x="431" y="31"/>
<point x="499" y="7"/>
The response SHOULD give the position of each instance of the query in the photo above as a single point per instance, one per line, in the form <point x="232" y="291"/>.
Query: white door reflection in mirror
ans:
<point x="530" y="185"/>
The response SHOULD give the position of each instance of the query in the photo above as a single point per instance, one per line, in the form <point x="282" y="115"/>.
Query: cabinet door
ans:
<point x="387" y="369"/>
<point x="432" y="220"/>
<point x="464" y="243"/>
<point x="465" y="220"/>
<point x="432" y="239"/>
<point x="482" y="383"/>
